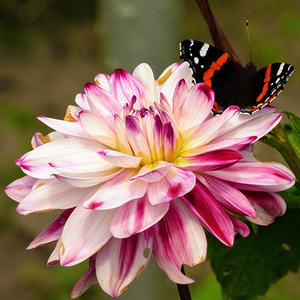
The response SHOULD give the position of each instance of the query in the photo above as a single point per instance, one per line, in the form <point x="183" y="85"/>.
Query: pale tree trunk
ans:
<point x="135" y="31"/>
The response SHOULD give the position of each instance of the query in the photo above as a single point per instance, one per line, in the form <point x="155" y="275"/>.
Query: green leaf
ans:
<point x="249" y="268"/>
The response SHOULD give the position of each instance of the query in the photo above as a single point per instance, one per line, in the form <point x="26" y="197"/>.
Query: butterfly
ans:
<point x="233" y="84"/>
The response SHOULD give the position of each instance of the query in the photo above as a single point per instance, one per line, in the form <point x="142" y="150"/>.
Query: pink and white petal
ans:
<point x="65" y="127"/>
<point x="121" y="261"/>
<point x="52" y="232"/>
<point x="123" y="144"/>
<point x="270" y="175"/>
<point x="256" y="126"/>
<point x="82" y="101"/>
<point x="102" y="100"/>
<point x="99" y="128"/>
<point x="87" y="279"/>
<point x="211" y="214"/>
<point x="153" y="172"/>
<point x="20" y="188"/>
<point x="169" y="79"/>
<point x="229" y="197"/>
<point x="136" y="216"/>
<point x="86" y="181"/>
<point x="54" y="256"/>
<point x="239" y="226"/>
<point x="236" y="144"/>
<point x="176" y="183"/>
<point x="196" y="107"/>
<point x="51" y="194"/>
<point x="268" y="206"/>
<point x="124" y="86"/>
<point x="36" y="162"/>
<point x="102" y="80"/>
<point x="178" y="239"/>
<point x="111" y="195"/>
<point x="87" y="161"/>
<point x="137" y="139"/>
<point x="209" y="129"/>
<point x="213" y="160"/>
<point x="180" y="93"/>
<point x="85" y="232"/>
<point x="144" y="74"/>
<point x="119" y="159"/>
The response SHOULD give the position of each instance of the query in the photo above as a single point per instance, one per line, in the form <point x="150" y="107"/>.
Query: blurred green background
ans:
<point x="50" y="48"/>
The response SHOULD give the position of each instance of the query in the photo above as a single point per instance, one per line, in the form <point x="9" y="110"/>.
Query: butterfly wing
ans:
<point x="214" y="67"/>
<point x="268" y="82"/>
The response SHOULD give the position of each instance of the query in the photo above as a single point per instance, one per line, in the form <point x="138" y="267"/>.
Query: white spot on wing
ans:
<point x="204" y="50"/>
<point x="196" y="60"/>
<point x="280" y="69"/>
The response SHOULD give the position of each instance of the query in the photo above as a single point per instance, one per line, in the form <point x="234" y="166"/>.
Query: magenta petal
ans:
<point x="178" y="239"/>
<point x="102" y="100"/>
<point x="52" y="232"/>
<point x="121" y="261"/>
<point x="270" y="176"/>
<point x="20" y="188"/>
<point x="229" y="197"/>
<point x="239" y="226"/>
<point x="85" y="232"/>
<point x="268" y="206"/>
<point x="212" y="215"/>
<point x="124" y="86"/>
<point x="213" y="160"/>
<point x="136" y="216"/>
<point x="87" y="279"/>
<point x="176" y="183"/>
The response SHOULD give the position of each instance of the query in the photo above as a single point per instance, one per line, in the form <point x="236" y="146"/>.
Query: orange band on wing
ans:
<point x="215" y="66"/>
<point x="266" y="85"/>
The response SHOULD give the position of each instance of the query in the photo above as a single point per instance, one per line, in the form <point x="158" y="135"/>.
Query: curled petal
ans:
<point x="20" y="188"/>
<point x="121" y="261"/>
<point x="268" y="206"/>
<point x="176" y="183"/>
<point x="136" y="216"/>
<point x="239" y="226"/>
<point x="178" y="239"/>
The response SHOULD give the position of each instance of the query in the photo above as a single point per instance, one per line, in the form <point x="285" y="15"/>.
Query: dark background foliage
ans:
<point x="48" y="50"/>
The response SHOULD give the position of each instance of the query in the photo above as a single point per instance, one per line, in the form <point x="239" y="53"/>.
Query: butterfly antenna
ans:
<point x="248" y="35"/>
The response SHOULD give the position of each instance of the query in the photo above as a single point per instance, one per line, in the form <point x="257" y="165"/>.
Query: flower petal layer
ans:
<point x="121" y="261"/>
<point x="178" y="239"/>
<point x="136" y="216"/>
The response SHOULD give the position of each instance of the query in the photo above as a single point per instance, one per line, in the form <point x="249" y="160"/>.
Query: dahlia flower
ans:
<point x="139" y="167"/>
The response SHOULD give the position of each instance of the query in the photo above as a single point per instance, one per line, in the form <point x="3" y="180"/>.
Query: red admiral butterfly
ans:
<point x="233" y="84"/>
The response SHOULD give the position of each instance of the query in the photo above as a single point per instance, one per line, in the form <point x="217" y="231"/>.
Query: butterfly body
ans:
<point x="233" y="84"/>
